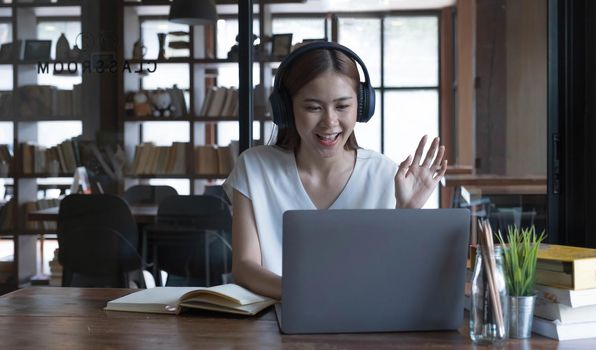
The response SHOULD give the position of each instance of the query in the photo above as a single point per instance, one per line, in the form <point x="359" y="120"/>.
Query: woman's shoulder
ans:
<point x="373" y="157"/>
<point x="264" y="153"/>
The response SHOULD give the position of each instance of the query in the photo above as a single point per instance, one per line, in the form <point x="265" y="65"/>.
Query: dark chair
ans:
<point x="513" y="216"/>
<point x="148" y="194"/>
<point x="217" y="191"/>
<point x="97" y="237"/>
<point x="190" y="240"/>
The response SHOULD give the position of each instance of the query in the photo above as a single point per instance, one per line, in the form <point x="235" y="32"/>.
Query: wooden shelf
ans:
<point x="185" y="176"/>
<point x="49" y="61"/>
<point x="45" y="118"/>
<point x="191" y="119"/>
<point x="43" y="176"/>
<point x="147" y="3"/>
<point x="69" y="3"/>
<point x="158" y="119"/>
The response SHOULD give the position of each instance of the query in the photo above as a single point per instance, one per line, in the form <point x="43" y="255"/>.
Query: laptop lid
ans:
<point x="373" y="270"/>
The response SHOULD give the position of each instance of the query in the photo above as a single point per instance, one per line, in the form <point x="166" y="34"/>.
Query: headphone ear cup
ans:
<point x="362" y="104"/>
<point x="279" y="109"/>
<point x="366" y="102"/>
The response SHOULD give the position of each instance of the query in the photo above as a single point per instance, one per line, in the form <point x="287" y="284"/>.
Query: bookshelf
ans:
<point x="199" y="69"/>
<point x="29" y="101"/>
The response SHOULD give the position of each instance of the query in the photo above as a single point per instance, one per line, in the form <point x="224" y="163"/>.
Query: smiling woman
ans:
<point x="316" y="162"/>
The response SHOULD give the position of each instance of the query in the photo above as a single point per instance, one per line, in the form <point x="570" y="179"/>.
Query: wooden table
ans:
<point x="141" y="214"/>
<point x="73" y="318"/>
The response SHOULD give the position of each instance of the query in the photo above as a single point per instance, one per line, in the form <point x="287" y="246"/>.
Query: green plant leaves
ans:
<point x="520" y="256"/>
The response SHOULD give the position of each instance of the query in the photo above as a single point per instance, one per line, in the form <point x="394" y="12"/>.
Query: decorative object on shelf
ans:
<point x="179" y="40"/>
<point x="489" y="309"/>
<point x="37" y="49"/>
<point x="138" y="50"/>
<point x="62" y="48"/>
<point x="179" y="45"/>
<point x="162" y="103"/>
<point x="262" y="49"/>
<point x="521" y="256"/>
<point x="142" y="106"/>
<point x="82" y="52"/>
<point x="178" y="101"/>
<point x="193" y="12"/>
<point x="233" y="53"/>
<point x="281" y="45"/>
<point x="161" y="38"/>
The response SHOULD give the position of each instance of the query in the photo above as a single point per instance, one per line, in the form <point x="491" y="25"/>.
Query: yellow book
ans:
<point x="566" y="266"/>
<point x="229" y="298"/>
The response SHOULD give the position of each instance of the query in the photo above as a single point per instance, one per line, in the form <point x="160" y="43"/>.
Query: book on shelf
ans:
<point x="220" y="101"/>
<point x="566" y="266"/>
<point x="48" y="226"/>
<point x="217" y="102"/>
<point x="207" y="101"/>
<point x="230" y="105"/>
<point x="7" y="215"/>
<point x="150" y="159"/>
<point x="563" y="331"/>
<point x="206" y="160"/>
<point x="229" y="298"/>
<point x="553" y="311"/>
<point x="37" y="159"/>
<point x="47" y="100"/>
<point x="568" y="297"/>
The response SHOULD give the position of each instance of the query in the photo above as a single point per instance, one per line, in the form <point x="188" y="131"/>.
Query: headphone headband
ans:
<point x="316" y="45"/>
<point x="281" y="101"/>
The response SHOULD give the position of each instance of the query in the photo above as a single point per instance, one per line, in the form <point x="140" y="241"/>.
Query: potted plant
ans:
<point x="520" y="256"/>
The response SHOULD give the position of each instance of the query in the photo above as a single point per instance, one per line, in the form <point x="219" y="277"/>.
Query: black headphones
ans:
<point x="281" y="102"/>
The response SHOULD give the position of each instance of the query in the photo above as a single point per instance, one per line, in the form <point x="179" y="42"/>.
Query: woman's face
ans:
<point x="325" y="113"/>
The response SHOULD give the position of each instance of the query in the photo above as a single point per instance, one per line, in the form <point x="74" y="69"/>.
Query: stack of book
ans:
<point x="220" y="101"/>
<point x="566" y="286"/>
<point x="38" y="159"/>
<point x="215" y="160"/>
<point x="150" y="159"/>
<point x="46" y="226"/>
<point x="47" y="100"/>
<point x="566" y="292"/>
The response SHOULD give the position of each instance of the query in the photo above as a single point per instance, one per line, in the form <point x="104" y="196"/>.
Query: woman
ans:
<point x="316" y="162"/>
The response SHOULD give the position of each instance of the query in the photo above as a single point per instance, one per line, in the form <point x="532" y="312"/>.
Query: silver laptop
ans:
<point x="382" y="270"/>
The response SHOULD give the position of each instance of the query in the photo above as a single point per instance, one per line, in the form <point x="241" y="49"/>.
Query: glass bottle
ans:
<point x="483" y="316"/>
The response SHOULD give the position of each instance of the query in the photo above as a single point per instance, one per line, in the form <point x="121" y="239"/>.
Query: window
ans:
<point x="5" y="31"/>
<point x="51" y="30"/>
<point x="407" y="100"/>
<point x="301" y="28"/>
<point x="51" y="133"/>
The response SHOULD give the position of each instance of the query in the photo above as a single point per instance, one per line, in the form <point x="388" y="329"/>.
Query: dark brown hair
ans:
<point x="303" y="70"/>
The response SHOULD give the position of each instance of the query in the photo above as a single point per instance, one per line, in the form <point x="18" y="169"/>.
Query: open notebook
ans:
<point x="171" y="300"/>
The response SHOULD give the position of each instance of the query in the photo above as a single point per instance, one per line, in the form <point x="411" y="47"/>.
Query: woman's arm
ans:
<point x="415" y="181"/>
<point x="246" y="253"/>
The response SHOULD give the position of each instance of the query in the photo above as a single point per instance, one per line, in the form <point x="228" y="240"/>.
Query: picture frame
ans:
<point x="37" y="49"/>
<point x="10" y="51"/>
<point x="281" y="45"/>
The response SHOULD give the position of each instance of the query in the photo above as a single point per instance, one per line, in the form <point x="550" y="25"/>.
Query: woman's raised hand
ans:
<point x="415" y="181"/>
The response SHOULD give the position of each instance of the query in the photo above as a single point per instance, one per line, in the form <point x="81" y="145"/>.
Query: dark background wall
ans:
<point x="572" y="114"/>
